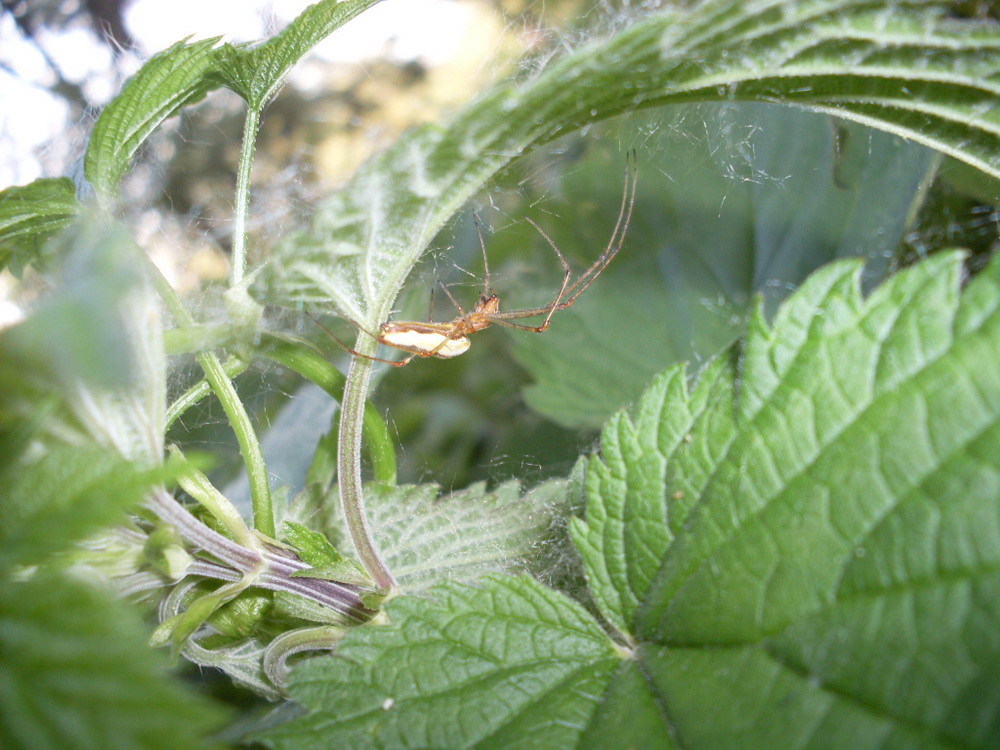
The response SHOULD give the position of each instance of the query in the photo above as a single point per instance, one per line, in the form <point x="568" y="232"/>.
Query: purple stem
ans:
<point x="273" y="569"/>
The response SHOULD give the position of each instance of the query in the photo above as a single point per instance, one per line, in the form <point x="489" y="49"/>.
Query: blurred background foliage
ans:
<point x="734" y="201"/>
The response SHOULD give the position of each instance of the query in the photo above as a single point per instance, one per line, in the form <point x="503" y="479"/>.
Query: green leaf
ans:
<point x="818" y="568"/>
<point x="508" y="665"/>
<point x="241" y="617"/>
<point x="315" y="549"/>
<point x="92" y="346"/>
<point x="29" y="216"/>
<point x="168" y="81"/>
<point x="424" y="537"/>
<point x="256" y="73"/>
<point x="626" y="533"/>
<point x="312" y="546"/>
<point x="911" y="70"/>
<point x="75" y="672"/>
<point x="76" y="333"/>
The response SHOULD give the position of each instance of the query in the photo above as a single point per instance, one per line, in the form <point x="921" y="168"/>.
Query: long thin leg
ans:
<point x="454" y="301"/>
<point x="520" y="326"/>
<point x="617" y="236"/>
<point x="567" y="275"/>
<point x="561" y="302"/>
<point x="487" y="289"/>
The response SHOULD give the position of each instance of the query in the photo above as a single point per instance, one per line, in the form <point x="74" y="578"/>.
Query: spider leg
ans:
<point x="487" y="289"/>
<point x="617" y="237"/>
<point x="567" y="274"/>
<point x="454" y="301"/>
<point x="616" y="241"/>
<point x="574" y="290"/>
<point x="521" y="327"/>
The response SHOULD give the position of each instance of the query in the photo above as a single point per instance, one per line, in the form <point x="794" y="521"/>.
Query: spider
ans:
<point x="451" y="339"/>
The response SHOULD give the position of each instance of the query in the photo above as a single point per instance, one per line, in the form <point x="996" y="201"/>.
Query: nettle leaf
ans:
<point x="94" y="344"/>
<point x="801" y="549"/>
<point x="256" y="73"/>
<point x="425" y="537"/>
<point x="827" y="526"/>
<point x="912" y="70"/>
<point x="509" y="664"/>
<point x="30" y="215"/>
<point x="169" y="81"/>
<point x="76" y="672"/>
<point x="626" y="533"/>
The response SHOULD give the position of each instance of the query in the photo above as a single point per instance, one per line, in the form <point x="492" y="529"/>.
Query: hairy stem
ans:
<point x="246" y="436"/>
<point x="232" y="367"/>
<point x="352" y="411"/>
<point x="242" y="207"/>
<point x="271" y="568"/>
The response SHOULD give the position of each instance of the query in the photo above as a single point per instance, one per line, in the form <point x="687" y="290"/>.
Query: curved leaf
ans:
<point x="909" y="69"/>
<point x="754" y="203"/>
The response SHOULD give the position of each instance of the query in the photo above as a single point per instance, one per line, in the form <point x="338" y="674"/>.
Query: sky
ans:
<point x="36" y="138"/>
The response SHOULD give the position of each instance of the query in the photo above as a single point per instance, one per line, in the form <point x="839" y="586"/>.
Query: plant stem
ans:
<point x="250" y="447"/>
<point x="242" y="207"/>
<point x="163" y="504"/>
<point x="352" y="410"/>
<point x="272" y="569"/>
<point x="232" y="367"/>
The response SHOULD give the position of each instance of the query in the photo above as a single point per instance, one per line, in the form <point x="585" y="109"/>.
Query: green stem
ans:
<point x="352" y="409"/>
<point x="232" y="367"/>
<point x="250" y="448"/>
<point x="239" y="420"/>
<point x="239" y="260"/>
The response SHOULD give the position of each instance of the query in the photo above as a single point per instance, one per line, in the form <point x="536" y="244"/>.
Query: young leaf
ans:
<point x="315" y="549"/>
<point x="76" y="672"/>
<point x="256" y="73"/>
<point x="29" y="216"/>
<point x="511" y="664"/>
<point x="167" y="82"/>
<point x="908" y="69"/>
